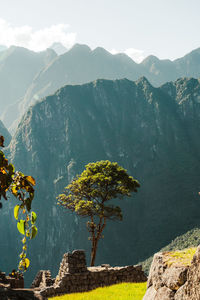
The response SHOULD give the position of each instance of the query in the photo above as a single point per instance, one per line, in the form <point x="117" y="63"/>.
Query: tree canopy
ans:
<point x="89" y="195"/>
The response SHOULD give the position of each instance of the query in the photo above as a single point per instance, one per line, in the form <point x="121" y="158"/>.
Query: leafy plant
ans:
<point x="89" y="193"/>
<point x="22" y="187"/>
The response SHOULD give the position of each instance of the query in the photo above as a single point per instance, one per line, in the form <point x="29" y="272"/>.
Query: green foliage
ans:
<point x="190" y="239"/>
<point x="122" y="291"/>
<point x="180" y="257"/>
<point x="21" y="186"/>
<point x="89" y="193"/>
<point x="98" y="183"/>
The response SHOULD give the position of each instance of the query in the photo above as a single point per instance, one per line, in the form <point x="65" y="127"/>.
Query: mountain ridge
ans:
<point x="141" y="127"/>
<point x="80" y="65"/>
<point x="18" y="67"/>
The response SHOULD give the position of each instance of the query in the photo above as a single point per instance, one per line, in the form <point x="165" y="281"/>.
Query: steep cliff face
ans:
<point x="27" y="76"/>
<point x="81" y="65"/>
<point x="144" y="129"/>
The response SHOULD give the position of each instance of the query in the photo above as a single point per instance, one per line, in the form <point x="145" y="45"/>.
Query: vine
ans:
<point x="22" y="187"/>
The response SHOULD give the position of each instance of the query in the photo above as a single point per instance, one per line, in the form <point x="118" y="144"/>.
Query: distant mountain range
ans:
<point x="18" y="67"/>
<point x="29" y="76"/>
<point x="152" y="132"/>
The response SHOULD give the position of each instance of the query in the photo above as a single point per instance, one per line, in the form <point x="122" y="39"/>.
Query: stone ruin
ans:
<point x="11" y="281"/>
<point x="12" y="288"/>
<point x="74" y="276"/>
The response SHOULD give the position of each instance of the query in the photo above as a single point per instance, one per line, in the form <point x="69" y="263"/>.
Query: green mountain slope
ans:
<point x="186" y="240"/>
<point x="147" y="130"/>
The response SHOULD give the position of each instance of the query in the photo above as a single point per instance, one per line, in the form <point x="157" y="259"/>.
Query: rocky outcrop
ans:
<point x="173" y="282"/>
<point x="191" y="289"/>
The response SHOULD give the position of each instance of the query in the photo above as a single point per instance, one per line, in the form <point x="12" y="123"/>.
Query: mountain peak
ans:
<point x="150" y="59"/>
<point x="101" y="50"/>
<point x="143" y="80"/>
<point x="80" y="48"/>
<point x="58" y="48"/>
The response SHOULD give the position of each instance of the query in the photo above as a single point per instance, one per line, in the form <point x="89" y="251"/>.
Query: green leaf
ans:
<point x="24" y="240"/>
<point x="14" y="190"/>
<point x="30" y="179"/>
<point x="28" y="204"/>
<point x="11" y="169"/>
<point x="24" y="264"/>
<point x="21" y="226"/>
<point x="33" y="231"/>
<point x="22" y="255"/>
<point x="33" y="217"/>
<point x="27" y="263"/>
<point x="16" y="211"/>
<point x="28" y="233"/>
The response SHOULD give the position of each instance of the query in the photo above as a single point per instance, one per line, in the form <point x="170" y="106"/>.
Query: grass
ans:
<point x="180" y="258"/>
<point x="122" y="291"/>
<point x="187" y="240"/>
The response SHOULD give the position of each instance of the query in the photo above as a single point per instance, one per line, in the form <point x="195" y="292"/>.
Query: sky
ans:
<point x="164" y="28"/>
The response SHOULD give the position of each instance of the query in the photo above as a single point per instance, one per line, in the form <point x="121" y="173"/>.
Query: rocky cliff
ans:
<point x="173" y="276"/>
<point x="147" y="130"/>
<point x="81" y="65"/>
<point x="27" y="76"/>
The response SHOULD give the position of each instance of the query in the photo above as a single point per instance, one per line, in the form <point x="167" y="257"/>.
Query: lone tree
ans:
<point x="89" y="193"/>
<point x="20" y="186"/>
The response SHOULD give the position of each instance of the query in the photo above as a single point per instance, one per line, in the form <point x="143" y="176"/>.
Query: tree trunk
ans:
<point x="95" y="239"/>
<point x="93" y="252"/>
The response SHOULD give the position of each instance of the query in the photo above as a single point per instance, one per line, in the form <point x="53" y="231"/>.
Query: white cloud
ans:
<point x="136" y="54"/>
<point x="36" y="40"/>
<point x="114" y="51"/>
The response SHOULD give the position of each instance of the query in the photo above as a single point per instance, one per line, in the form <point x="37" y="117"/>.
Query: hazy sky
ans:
<point x="165" y="28"/>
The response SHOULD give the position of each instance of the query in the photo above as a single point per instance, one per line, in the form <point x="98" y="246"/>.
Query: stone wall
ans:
<point x="7" y="293"/>
<point x="74" y="276"/>
<point x="42" y="280"/>
<point x="174" y="282"/>
<point x="12" y="281"/>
